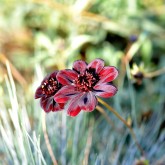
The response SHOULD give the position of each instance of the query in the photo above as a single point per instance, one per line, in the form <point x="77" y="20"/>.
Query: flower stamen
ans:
<point x="86" y="81"/>
<point x="50" y="86"/>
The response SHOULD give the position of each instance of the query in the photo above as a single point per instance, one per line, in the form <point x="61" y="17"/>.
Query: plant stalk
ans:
<point x="125" y="122"/>
<point x="47" y="140"/>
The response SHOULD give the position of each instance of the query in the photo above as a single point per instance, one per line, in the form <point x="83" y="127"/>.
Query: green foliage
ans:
<point x="38" y="37"/>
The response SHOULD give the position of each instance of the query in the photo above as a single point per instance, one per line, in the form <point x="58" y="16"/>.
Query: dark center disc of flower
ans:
<point x="50" y="86"/>
<point x="87" y="80"/>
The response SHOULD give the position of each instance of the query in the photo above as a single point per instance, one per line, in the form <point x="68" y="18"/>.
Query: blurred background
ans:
<point x="40" y="36"/>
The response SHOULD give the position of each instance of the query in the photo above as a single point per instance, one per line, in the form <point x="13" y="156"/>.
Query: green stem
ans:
<point x="127" y="125"/>
<point x="101" y="110"/>
<point x="155" y="73"/>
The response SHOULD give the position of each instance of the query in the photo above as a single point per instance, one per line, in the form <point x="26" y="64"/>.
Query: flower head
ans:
<point x="82" y="84"/>
<point x="137" y="73"/>
<point x="46" y="91"/>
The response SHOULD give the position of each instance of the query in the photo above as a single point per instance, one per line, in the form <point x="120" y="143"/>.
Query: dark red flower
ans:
<point x="46" y="91"/>
<point x="82" y="84"/>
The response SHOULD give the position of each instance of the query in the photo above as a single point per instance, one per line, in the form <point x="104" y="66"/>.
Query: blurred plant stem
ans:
<point x="101" y="110"/>
<point x="124" y="121"/>
<point x="47" y="140"/>
<point x="17" y="75"/>
<point x="154" y="73"/>
<point x="88" y="143"/>
<point x="130" y="52"/>
<point x="110" y="122"/>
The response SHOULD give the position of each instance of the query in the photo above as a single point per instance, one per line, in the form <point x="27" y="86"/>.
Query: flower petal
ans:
<point x="73" y="107"/>
<point x="38" y="93"/>
<point x="80" y="66"/>
<point x="108" y="74"/>
<point x="105" y="90"/>
<point x="58" y="106"/>
<point x="97" y="64"/>
<point x="48" y="104"/>
<point x="65" y="93"/>
<point x="66" y="76"/>
<point x="88" y="102"/>
<point x="53" y="75"/>
<point x="74" y="112"/>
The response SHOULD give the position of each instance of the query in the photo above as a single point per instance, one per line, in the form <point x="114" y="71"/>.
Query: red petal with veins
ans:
<point x="66" y="77"/>
<point x="38" y="93"/>
<point x="108" y="74"/>
<point x="88" y="102"/>
<point x="48" y="104"/>
<point x="65" y="93"/>
<point x="73" y="107"/>
<point x="105" y="90"/>
<point x="97" y="64"/>
<point x="80" y="66"/>
<point x="58" y="107"/>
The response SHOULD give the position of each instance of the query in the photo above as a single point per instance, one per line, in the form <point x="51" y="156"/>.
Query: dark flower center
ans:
<point x="50" y="86"/>
<point x="87" y="80"/>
